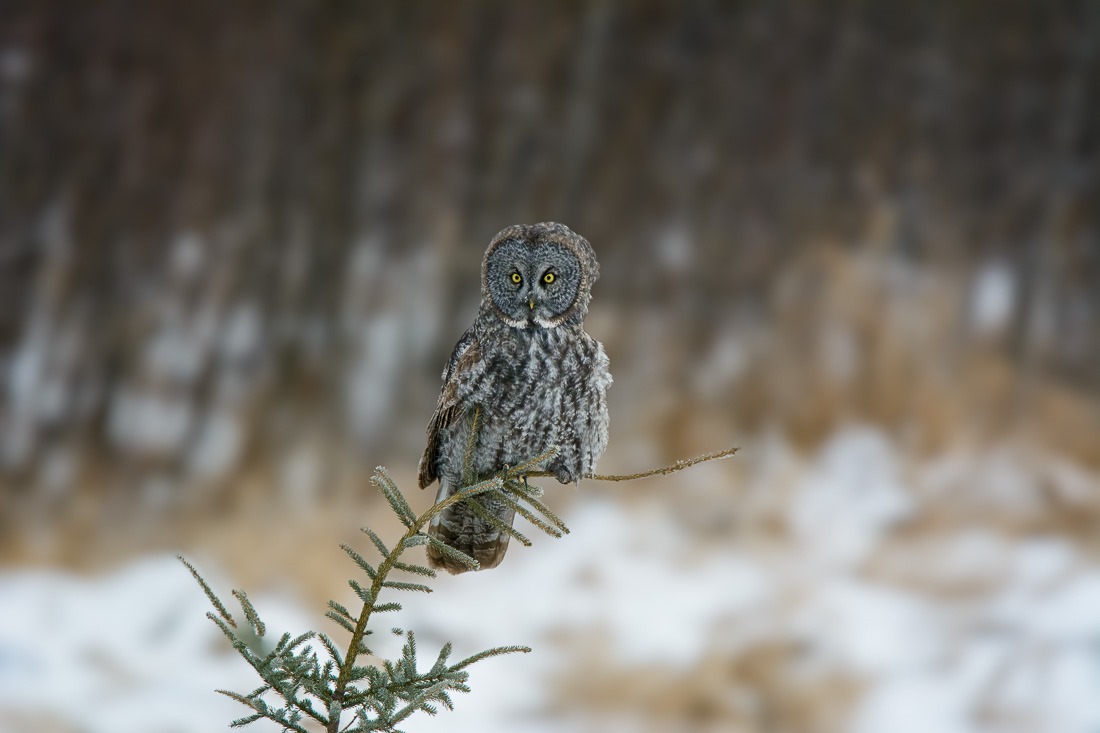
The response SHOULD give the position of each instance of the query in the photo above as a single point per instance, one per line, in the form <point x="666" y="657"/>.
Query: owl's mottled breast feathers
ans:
<point x="537" y="390"/>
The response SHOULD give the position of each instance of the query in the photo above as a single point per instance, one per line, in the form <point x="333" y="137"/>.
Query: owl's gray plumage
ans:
<point x="535" y="378"/>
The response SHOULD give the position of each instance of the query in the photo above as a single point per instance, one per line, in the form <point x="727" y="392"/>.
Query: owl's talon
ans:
<point x="565" y="476"/>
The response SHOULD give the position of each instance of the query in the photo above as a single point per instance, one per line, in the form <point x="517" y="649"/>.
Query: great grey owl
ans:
<point x="534" y="377"/>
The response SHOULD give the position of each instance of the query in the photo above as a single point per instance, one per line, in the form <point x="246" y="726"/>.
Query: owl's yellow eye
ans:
<point x="517" y="278"/>
<point x="548" y="278"/>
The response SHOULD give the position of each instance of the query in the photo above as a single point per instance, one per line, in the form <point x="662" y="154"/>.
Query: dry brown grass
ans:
<point x="860" y="337"/>
<point x="767" y="686"/>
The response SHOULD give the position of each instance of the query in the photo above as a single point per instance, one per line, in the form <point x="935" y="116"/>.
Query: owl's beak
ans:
<point x="531" y="303"/>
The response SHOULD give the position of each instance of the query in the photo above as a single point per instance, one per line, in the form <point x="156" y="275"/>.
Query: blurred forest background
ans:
<point x="238" y="241"/>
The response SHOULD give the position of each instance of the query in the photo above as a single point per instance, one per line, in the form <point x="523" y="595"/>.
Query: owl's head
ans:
<point x="538" y="275"/>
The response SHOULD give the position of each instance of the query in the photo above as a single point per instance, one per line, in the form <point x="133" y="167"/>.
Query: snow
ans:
<point x="150" y="422"/>
<point x="844" y="507"/>
<point x="993" y="298"/>
<point x="241" y="335"/>
<point x="131" y="650"/>
<point x="217" y="444"/>
<point x="615" y="572"/>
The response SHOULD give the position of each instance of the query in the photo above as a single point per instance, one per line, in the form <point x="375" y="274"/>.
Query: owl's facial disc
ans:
<point x="533" y="284"/>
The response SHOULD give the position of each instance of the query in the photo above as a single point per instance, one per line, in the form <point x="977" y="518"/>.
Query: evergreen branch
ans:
<point x="393" y="495"/>
<point x="533" y="518"/>
<point x="456" y="555"/>
<point x="262" y="711"/>
<point x="214" y="600"/>
<point x="281" y="645"/>
<point x="340" y="609"/>
<point x="441" y="660"/>
<point x="408" y="653"/>
<point x="395" y="684"/>
<point x="412" y="537"/>
<point x="347" y="623"/>
<point x="365" y="566"/>
<point x="495" y="651"/>
<point x="544" y="510"/>
<point x="253" y="702"/>
<point x="250" y="613"/>
<point x="385" y="607"/>
<point x="236" y="643"/>
<point x="242" y="722"/>
<point x="500" y="524"/>
<point x="399" y="585"/>
<point x="416" y="569"/>
<point x="366" y="596"/>
<point x="417" y="703"/>
<point x="330" y="647"/>
<point x="378" y="543"/>
<point x="526" y="468"/>
<point x="300" y="639"/>
<point x="490" y="484"/>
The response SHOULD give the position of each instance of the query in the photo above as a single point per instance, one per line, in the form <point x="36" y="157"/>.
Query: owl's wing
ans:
<point x="458" y="375"/>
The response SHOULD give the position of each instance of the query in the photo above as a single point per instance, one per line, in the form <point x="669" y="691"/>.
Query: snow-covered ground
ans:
<point x="939" y="625"/>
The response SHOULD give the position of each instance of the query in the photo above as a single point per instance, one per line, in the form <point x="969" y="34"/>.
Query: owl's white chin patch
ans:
<point x="513" y="322"/>
<point x="545" y="323"/>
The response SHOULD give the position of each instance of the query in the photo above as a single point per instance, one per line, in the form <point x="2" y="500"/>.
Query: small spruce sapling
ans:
<point x="308" y="681"/>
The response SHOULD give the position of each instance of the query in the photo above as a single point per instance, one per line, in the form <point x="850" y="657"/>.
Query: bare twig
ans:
<point x="680" y="465"/>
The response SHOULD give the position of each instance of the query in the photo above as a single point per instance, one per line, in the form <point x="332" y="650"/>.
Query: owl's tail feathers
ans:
<point x="462" y="527"/>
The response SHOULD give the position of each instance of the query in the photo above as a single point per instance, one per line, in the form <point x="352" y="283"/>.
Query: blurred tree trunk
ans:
<point x="228" y="230"/>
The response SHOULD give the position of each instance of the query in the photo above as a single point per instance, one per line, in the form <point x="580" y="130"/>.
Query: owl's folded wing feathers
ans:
<point x="461" y="367"/>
